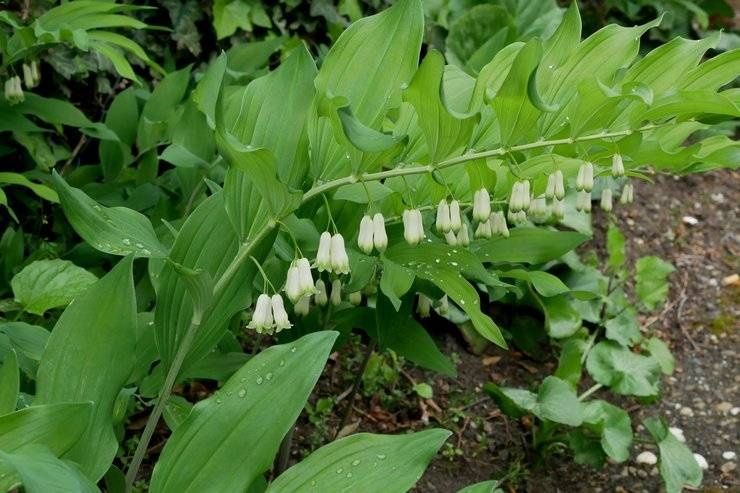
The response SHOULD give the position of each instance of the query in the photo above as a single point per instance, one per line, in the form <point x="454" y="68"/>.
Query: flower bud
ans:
<point x="262" y="315"/>
<point x="323" y="256"/>
<point x="28" y="76"/>
<point x="463" y="238"/>
<point x="305" y="277"/>
<point x="444" y="305"/>
<point x="321" y="297"/>
<point x="585" y="178"/>
<point x="450" y="238"/>
<point x="14" y="90"/>
<point x="339" y="258"/>
<point x="443" y="223"/>
<point x="303" y="306"/>
<point x="628" y="194"/>
<point x="423" y="307"/>
<point x="355" y="298"/>
<point x="455" y="218"/>
<point x="365" y="236"/>
<point x="483" y="230"/>
<point x="380" y="238"/>
<point x="481" y="205"/>
<point x="606" y="200"/>
<point x="35" y="73"/>
<point x="617" y="165"/>
<point x="559" y="185"/>
<point x="279" y="314"/>
<point x="583" y="201"/>
<point x="558" y="209"/>
<point x="336" y="292"/>
<point x="550" y="189"/>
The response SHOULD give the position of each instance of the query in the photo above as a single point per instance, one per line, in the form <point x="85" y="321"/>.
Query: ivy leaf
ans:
<point x="623" y="371"/>
<point x="651" y="281"/>
<point x="364" y="462"/>
<point x="624" y="328"/>
<point x="46" y="284"/>
<point x="677" y="464"/>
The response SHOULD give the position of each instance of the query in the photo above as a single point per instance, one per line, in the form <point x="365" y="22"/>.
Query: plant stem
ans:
<point x="355" y="387"/>
<point x="590" y="391"/>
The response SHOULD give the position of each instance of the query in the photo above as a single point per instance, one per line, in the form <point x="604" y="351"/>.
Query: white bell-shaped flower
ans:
<point x="14" y="90"/>
<point x="279" y="314"/>
<point x="305" y="276"/>
<point x="443" y="308"/>
<point x="262" y="320"/>
<point x="323" y="256"/>
<point x="585" y="178"/>
<point x="519" y="217"/>
<point x="321" y="297"/>
<point x="481" y="205"/>
<point x="450" y="238"/>
<point x="424" y="306"/>
<point x="515" y="201"/>
<point x="483" y="230"/>
<point x="558" y="209"/>
<point x="336" y="292"/>
<point x="583" y="201"/>
<point x="339" y="258"/>
<point x="628" y="194"/>
<point x="463" y="237"/>
<point x="443" y="223"/>
<point x="559" y="185"/>
<point x="526" y="194"/>
<point x="413" y="226"/>
<point x="550" y="188"/>
<point x="293" y="283"/>
<point x="606" y="200"/>
<point x="355" y="298"/>
<point x="365" y="236"/>
<point x="303" y="306"/>
<point x="617" y="165"/>
<point x="455" y="217"/>
<point x="498" y="224"/>
<point x="380" y="238"/>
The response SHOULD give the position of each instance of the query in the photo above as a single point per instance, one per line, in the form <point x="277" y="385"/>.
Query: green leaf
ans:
<point x="40" y="471"/>
<point x="42" y="191"/>
<point x="478" y="34"/>
<point x="614" y="426"/>
<point x="623" y="371"/>
<point x="529" y="245"/>
<point x="677" y="464"/>
<point x="28" y="341"/>
<point x="56" y="426"/>
<point x="624" y="328"/>
<point x="98" y="327"/>
<point x="58" y="112"/>
<point x="364" y="462"/>
<point x="9" y="383"/>
<point x="659" y="352"/>
<point x="561" y="318"/>
<point x="46" y="284"/>
<point x="445" y="134"/>
<point x="490" y="486"/>
<point x="121" y="117"/>
<point x="114" y="230"/>
<point x="546" y="284"/>
<point x="442" y="265"/>
<point x="207" y="450"/>
<point x="395" y="281"/>
<point x="651" y="281"/>
<point x="569" y="363"/>
<point x="423" y="390"/>
<point x="615" y="247"/>
<point x="555" y="401"/>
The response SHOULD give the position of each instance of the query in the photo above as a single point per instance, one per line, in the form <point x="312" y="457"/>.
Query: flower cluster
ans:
<point x="269" y="315"/>
<point x="332" y="256"/>
<point x="372" y="234"/>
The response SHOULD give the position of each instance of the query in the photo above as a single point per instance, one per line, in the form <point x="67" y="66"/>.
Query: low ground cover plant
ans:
<point x="301" y="204"/>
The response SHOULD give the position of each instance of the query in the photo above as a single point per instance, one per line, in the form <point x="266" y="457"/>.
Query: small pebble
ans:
<point x="687" y="411"/>
<point x="723" y="407"/>
<point x="678" y="433"/>
<point x="728" y="467"/>
<point x="729" y="455"/>
<point x="701" y="461"/>
<point x="647" y="457"/>
<point x="735" y="411"/>
<point x="690" y="220"/>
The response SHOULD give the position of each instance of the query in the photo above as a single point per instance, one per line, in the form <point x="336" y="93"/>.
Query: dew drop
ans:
<point x="243" y="379"/>
<point x="139" y="245"/>
<point x="454" y="264"/>
<point x="96" y="207"/>
<point x="313" y="482"/>
<point x="293" y="349"/>
<point x="381" y="456"/>
<point x="218" y="401"/>
<point x="268" y="376"/>
<point x="259" y="380"/>
<point x="340" y="470"/>
<point x="349" y="474"/>
<point x="356" y="462"/>
<point x="404" y="85"/>
<point x="126" y="241"/>
<point x="146" y="252"/>
<point x="241" y="393"/>
<point x="228" y="393"/>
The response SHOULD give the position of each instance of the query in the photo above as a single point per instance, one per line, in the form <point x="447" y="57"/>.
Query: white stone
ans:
<point x="701" y="461"/>
<point x="729" y="455"/>
<point x="690" y="220"/>
<point x="678" y="433"/>
<point x="646" y="457"/>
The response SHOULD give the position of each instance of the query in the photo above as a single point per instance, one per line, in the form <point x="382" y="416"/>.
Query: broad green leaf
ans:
<point x="46" y="284"/>
<point x="98" y="327"/>
<point x="555" y="400"/>
<point x="651" y="281"/>
<point x="479" y="34"/>
<point x="395" y="282"/>
<point x="357" y="193"/>
<point x="569" y="364"/>
<point x="614" y="426"/>
<point x="56" y="426"/>
<point x="558" y="47"/>
<point x="515" y="112"/>
<point x="364" y="462"/>
<point x="561" y="318"/>
<point x="615" y="246"/>
<point x="9" y="383"/>
<point x="713" y="73"/>
<point x="445" y="134"/>
<point x="58" y="112"/>
<point x="623" y="371"/>
<point x="442" y="265"/>
<point x="677" y="465"/>
<point x="686" y="104"/>
<point x="159" y="107"/>
<point x="399" y="331"/>
<point x="122" y="118"/>
<point x="659" y="351"/>
<point x="544" y="283"/>
<point x="28" y="341"/>
<point x="206" y="93"/>
<point x="42" y="191"/>
<point x="423" y="390"/>
<point x="207" y="451"/>
<point x="529" y="245"/>
<point x="40" y="471"/>
<point x="114" y="230"/>
<point x="624" y="328"/>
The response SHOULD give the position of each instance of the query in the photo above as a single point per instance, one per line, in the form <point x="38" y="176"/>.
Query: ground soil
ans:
<point x="689" y="221"/>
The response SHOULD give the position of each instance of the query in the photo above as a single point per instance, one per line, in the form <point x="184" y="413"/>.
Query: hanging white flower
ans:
<point x="293" y="283"/>
<point x="380" y="238"/>
<point x="450" y="238"/>
<point x="550" y="188"/>
<point x="583" y="201"/>
<point x="498" y="224"/>
<point x="443" y="223"/>
<point x="423" y="306"/>
<point x="339" y="258"/>
<point x="539" y="209"/>
<point x="463" y="238"/>
<point x="519" y="217"/>
<point x="606" y="200"/>
<point x="323" y="256"/>
<point x="481" y="205"/>
<point x="484" y="229"/>
<point x="585" y="178"/>
<point x="365" y="236"/>
<point x="14" y="90"/>
<point x="455" y="217"/>
<point x="413" y="227"/>
<point x="558" y="209"/>
<point x="262" y="316"/>
<point x="336" y="292"/>
<point x="617" y="165"/>
<point x="444" y="305"/>
<point x="321" y="297"/>
<point x="355" y="298"/>
<point x="525" y="194"/>
<point x="303" y="306"/>
<point x="628" y="194"/>
<point x="559" y="185"/>
<point x="515" y="201"/>
<point x="279" y="314"/>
